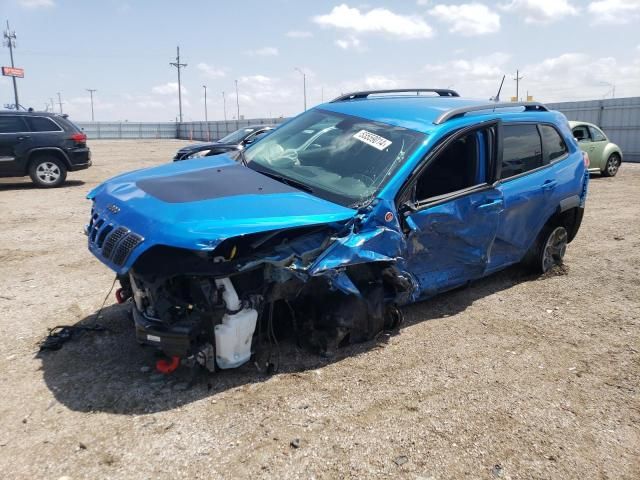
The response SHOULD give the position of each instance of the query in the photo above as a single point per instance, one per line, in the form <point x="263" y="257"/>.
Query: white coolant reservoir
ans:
<point x="233" y="338"/>
<point x="234" y="334"/>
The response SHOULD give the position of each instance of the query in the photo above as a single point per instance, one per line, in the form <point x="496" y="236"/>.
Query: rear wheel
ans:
<point x="549" y="249"/>
<point x="612" y="166"/>
<point x="47" y="172"/>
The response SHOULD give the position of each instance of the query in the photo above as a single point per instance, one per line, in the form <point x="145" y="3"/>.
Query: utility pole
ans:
<point x="60" y="101"/>
<point x="304" y="86"/>
<point x="206" y="115"/>
<point x="224" y="107"/>
<point x="11" y="43"/>
<point x="91" y="92"/>
<point x="517" y="79"/>
<point x="53" y="105"/>
<point x="237" y="106"/>
<point x="179" y="65"/>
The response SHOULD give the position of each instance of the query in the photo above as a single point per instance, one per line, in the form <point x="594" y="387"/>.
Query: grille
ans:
<point x="125" y="247"/>
<point x="113" y="242"/>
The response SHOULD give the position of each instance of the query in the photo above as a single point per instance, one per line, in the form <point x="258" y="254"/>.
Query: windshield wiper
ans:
<point x="288" y="181"/>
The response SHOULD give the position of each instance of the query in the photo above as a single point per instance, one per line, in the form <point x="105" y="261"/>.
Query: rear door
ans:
<point x="451" y="212"/>
<point x="14" y="143"/>
<point x="529" y="186"/>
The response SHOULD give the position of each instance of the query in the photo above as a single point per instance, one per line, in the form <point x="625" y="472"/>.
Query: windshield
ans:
<point x="338" y="157"/>
<point x="237" y="136"/>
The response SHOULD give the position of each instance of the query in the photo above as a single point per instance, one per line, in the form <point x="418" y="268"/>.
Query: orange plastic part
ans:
<point x="168" y="367"/>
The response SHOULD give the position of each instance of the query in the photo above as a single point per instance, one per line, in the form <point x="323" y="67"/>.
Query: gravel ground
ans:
<point x="513" y="377"/>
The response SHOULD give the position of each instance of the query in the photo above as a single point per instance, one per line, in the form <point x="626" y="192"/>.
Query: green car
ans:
<point x="605" y="157"/>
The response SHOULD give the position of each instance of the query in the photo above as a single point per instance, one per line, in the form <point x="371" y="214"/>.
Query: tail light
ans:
<point x="79" y="137"/>
<point x="585" y="158"/>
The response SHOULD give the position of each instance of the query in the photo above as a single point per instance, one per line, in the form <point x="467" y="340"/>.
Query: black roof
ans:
<point x="39" y="114"/>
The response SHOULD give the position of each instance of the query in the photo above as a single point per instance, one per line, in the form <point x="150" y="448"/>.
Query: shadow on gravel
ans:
<point x="28" y="185"/>
<point x="110" y="372"/>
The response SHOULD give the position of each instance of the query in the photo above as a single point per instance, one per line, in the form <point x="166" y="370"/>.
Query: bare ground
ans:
<point x="514" y="377"/>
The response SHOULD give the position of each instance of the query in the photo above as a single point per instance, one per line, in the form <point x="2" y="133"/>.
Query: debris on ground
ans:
<point x="61" y="334"/>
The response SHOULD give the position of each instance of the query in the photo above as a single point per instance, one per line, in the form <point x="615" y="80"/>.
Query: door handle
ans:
<point x="24" y="137"/>
<point x="549" y="184"/>
<point x="489" y="204"/>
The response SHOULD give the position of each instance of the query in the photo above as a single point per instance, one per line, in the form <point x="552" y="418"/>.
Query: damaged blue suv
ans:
<point x="336" y="219"/>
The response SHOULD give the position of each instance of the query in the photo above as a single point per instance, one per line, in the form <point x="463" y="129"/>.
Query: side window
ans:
<point x="455" y="168"/>
<point x="42" y="124"/>
<point x="597" y="135"/>
<point x="553" y="144"/>
<point x="581" y="133"/>
<point x="12" y="124"/>
<point x="522" y="149"/>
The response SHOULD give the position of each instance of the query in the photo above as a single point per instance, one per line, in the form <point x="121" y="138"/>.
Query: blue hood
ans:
<point x="195" y="205"/>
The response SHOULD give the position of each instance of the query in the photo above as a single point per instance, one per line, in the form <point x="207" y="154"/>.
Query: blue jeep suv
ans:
<point x="336" y="219"/>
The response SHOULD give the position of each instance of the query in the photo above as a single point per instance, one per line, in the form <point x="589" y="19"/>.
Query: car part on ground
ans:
<point x="605" y="157"/>
<point x="43" y="145"/>
<point x="334" y="221"/>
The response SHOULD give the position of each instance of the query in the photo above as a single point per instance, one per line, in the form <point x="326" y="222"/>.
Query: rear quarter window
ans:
<point x="552" y="143"/>
<point x="522" y="149"/>
<point x="42" y="124"/>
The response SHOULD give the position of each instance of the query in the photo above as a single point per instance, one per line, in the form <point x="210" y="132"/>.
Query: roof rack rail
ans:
<point x="459" y="112"/>
<point x="443" y="92"/>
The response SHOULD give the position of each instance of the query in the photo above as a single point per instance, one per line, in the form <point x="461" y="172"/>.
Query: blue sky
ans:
<point x="564" y="49"/>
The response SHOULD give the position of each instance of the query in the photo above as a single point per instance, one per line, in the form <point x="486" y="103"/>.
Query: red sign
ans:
<point x="13" y="72"/>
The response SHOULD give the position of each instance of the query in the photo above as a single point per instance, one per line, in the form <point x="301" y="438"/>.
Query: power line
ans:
<point x="179" y="65"/>
<point x="91" y="92"/>
<point x="10" y="42"/>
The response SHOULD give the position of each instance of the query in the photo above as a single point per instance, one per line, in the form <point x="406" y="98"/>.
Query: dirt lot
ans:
<point x="514" y="377"/>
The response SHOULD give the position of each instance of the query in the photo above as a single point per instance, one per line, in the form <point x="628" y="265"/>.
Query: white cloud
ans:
<point x="36" y="3"/>
<point x="263" y="52"/>
<point x="257" y="80"/>
<point x="210" y="71"/>
<point x="378" y="20"/>
<point x="299" y="34"/>
<point x="541" y="11"/>
<point x="349" y="43"/>
<point x="168" y="88"/>
<point x="467" y="19"/>
<point x="615" y="11"/>
<point x="490" y="67"/>
<point x="380" y="82"/>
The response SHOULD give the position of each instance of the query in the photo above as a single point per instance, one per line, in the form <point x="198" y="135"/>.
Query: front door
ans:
<point x="596" y="153"/>
<point x="454" y="213"/>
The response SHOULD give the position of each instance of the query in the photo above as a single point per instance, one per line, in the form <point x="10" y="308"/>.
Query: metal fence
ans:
<point x="210" y="131"/>
<point x="205" y="131"/>
<point x="120" y="130"/>
<point x="618" y="117"/>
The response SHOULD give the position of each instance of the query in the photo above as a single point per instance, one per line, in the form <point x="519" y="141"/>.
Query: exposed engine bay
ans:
<point x="217" y="308"/>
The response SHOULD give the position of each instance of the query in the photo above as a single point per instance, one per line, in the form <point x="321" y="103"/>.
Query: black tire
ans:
<point x="47" y="171"/>
<point x="548" y="250"/>
<point x="612" y="166"/>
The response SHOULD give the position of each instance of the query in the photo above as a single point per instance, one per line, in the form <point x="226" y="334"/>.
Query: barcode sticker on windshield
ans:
<point x="376" y="141"/>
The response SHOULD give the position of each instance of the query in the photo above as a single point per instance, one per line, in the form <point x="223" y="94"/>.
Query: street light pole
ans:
<point x="224" y="108"/>
<point x="206" y="115"/>
<point x="304" y="86"/>
<point x="91" y="91"/>
<point x="237" y="106"/>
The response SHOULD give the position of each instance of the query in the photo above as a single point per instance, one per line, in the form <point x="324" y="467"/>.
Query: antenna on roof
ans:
<point x="497" y="97"/>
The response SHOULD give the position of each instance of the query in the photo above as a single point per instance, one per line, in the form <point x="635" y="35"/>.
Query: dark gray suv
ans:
<point x="44" y="146"/>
